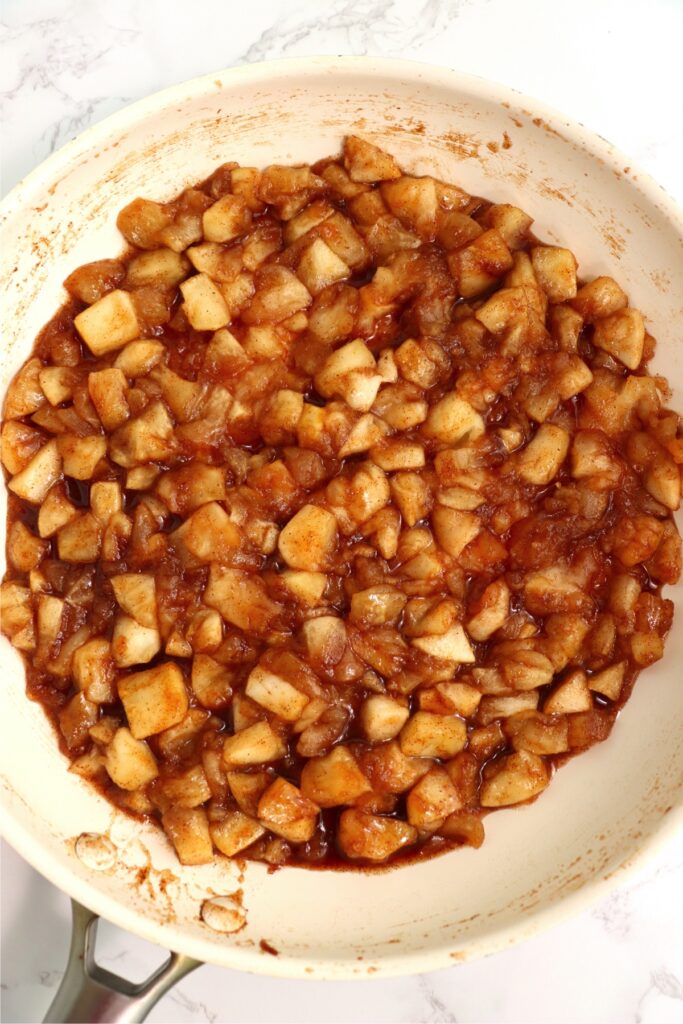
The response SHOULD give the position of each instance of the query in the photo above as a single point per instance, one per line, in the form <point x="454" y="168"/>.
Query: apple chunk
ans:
<point x="309" y="538"/>
<point x="154" y="700"/>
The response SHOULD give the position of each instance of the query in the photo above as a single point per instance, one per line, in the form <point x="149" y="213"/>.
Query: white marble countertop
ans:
<point x="611" y="64"/>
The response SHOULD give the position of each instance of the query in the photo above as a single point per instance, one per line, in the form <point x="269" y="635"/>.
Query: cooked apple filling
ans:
<point x="339" y="512"/>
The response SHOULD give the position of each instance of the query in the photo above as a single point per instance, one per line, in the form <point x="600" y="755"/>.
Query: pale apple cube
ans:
<point x="398" y="454"/>
<point x="188" y="830"/>
<point x="431" y="800"/>
<point x="205" y="631"/>
<point x="153" y="700"/>
<point x="609" y="682"/>
<point x="310" y="217"/>
<point x="141" y="478"/>
<point x="662" y="479"/>
<point x="185" y="489"/>
<point x="452" y="645"/>
<point x="17" y="616"/>
<point x="512" y="223"/>
<point x="306" y="587"/>
<point x="284" y="810"/>
<point x="133" y="644"/>
<point x="355" y="355"/>
<point x="412" y="495"/>
<point x="204" y="305"/>
<point x="57" y="383"/>
<point x="49" y="618"/>
<point x="241" y="599"/>
<point x="189" y="788"/>
<point x="228" y="218"/>
<point x="38" y="476"/>
<point x="516" y="778"/>
<point x="415" y="202"/>
<point x="136" y="595"/>
<point x="275" y="694"/>
<point x="160" y="267"/>
<point x="570" y="696"/>
<point x="555" y="270"/>
<point x="25" y="551"/>
<point x="622" y="334"/>
<point x="56" y="511"/>
<point x="366" y="162"/>
<point x="108" y="389"/>
<point x="139" y="357"/>
<point x="364" y="836"/>
<point x="540" y="461"/>
<point x="106" y="499"/>
<point x="235" y="832"/>
<point x="80" y="540"/>
<point x="325" y="639"/>
<point x="538" y="733"/>
<point x="493" y="609"/>
<point x="81" y="455"/>
<point x="463" y="698"/>
<point x="309" y="539"/>
<point x="480" y="264"/>
<point x="454" y="529"/>
<point x="248" y="788"/>
<point x="319" y="267"/>
<point x="334" y="779"/>
<point x="211" y="682"/>
<point x="256" y="744"/>
<point x="386" y="366"/>
<point x="600" y="297"/>
<point x="94" y="670"/>
<point x="382" y="717"/>
<point x="146" y="438"/>
<point x="130" y="763"/>
<point x="428" y="735"/>
<point x="109" y="323"/>
<point x="279" y="295"/>
<point x="453" y="419"/>
<point x="208" y="535"/>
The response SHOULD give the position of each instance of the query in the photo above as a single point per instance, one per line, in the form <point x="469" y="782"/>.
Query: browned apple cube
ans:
<point x="364" y="836"/>
<point x="431" y="800"/>
<point x="17" y="615"/>
<point x="609" y="682"/>
<point x="133" y="644"/>
<point x="228" y="218"/>
<point x="334" y="779"/>
<point x="34" y="481"/>
<point x="24" y="394"/>
<point x="256" y="744"/>
<point x="622" y="334"/>
<point x="136" y="595"/>
<point x="555" y="270"/>
<point x="139" y="357"/>
<point x="540" y="461"/>
<point x="107" y="389"/>
<point x="204" y="305"/>
<point x="366" y="162"/>
<point x="309" y="538"/>
<point x="285" y="810"/>
<point x="153" y="700"/>
<point x="427" y="735"/>
<point x="235" y="832"/>
<point x="188" y="830"/>
<point x="24" y="550"/>
<point x="453" y="419"/>
<point x="538" y="733"/>
<point x="454" y="529"/>
<point x="94" y="671"/>
<point x="514" y="779"/>
<point x="80" y="540"/>
<point x="208" y="535"/>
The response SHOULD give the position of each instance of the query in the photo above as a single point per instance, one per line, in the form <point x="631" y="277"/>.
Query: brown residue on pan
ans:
<point x="457" y="954"/>
<point x="492" y="147"/>
<point x="461" y="144"/>
<point x="266" y="947"/>
<point x="661" y="280"/>
<point x="507" y="141"/>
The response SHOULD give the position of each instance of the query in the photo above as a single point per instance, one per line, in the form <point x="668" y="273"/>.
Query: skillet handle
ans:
<point x="92" y="995"/>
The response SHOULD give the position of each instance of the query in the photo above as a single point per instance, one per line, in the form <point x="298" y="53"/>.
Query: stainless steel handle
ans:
<point x="89" y="995"/>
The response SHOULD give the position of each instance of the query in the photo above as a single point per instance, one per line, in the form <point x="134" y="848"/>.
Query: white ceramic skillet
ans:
<point x="603" y="809"/>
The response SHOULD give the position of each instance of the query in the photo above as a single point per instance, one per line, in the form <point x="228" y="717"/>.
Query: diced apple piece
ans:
<point x="36" y="479"/>
<point x="622" y="334"/>
<point x="431" y="800"/>
<point x="382" y="717"/>
<point x="57" y="383"/>
<point x="463" y="698"/>
<point x="24" y="394"/>
<point x="105" y="499"/>
<point x="306" y="587"/>
<point x="81" y="455"/>
<point x="147" y="438"/>
<point x="204" y="306"/>
<point x="492" y="611"/>
<point x="94" y="670"/>
<point x="75" y="720"/>
<point x="538" y="733"/>
<point x="208" y="535"/>
<point x="109" y="323"/>
<point x="161" y="268"/>
<point x="609" y="682"/>
<point x="139" y="357"/>
<point x="256" y="744"/>
<point x="136" y="595"/>
<point x="188" y="830"/>
<point x="415" y="202"/>
<point x="453" y="419"/>
<point x="334" y="779"/>
<point x="279" y="295"/>
<point x="325" y="639"/>
<point x="275" y="694"/>
<point x="452" y="645"/>
<point x="376" y="605"/>
<point x="600" y="297"/>
<point x="24" y="550"/>
<point x="284" y="810"/>
<point x="478" y="265"/>
<point x="17" y="615"/>
<point x="368" y="163"/>
<point x="130" y="763"/>
<point x="540" y="461"/>
<point x="224" y="354"/>
<point x="153" y="700"/>
<point x="512" y="223"/>
<point x="516" y="778"/>
<point x="364" y="836"/>
<point x="80" y="540"/>
<point x="427" y="735"/>
<point x="571" y="696"/>
<point x="107" y="390"/>
<point x="555" y="270"/>
<point x="241" y="599"/>
<point x="211" y="682"/>
<point x="205" y="631"/>
<point x="235" y="832"/>
<point x="133" y="644"/>
<point x="309" y="538"/>
<point x="454" y="529"/>
<point x="319" y="267"/>
<point x="228" y="218"/>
